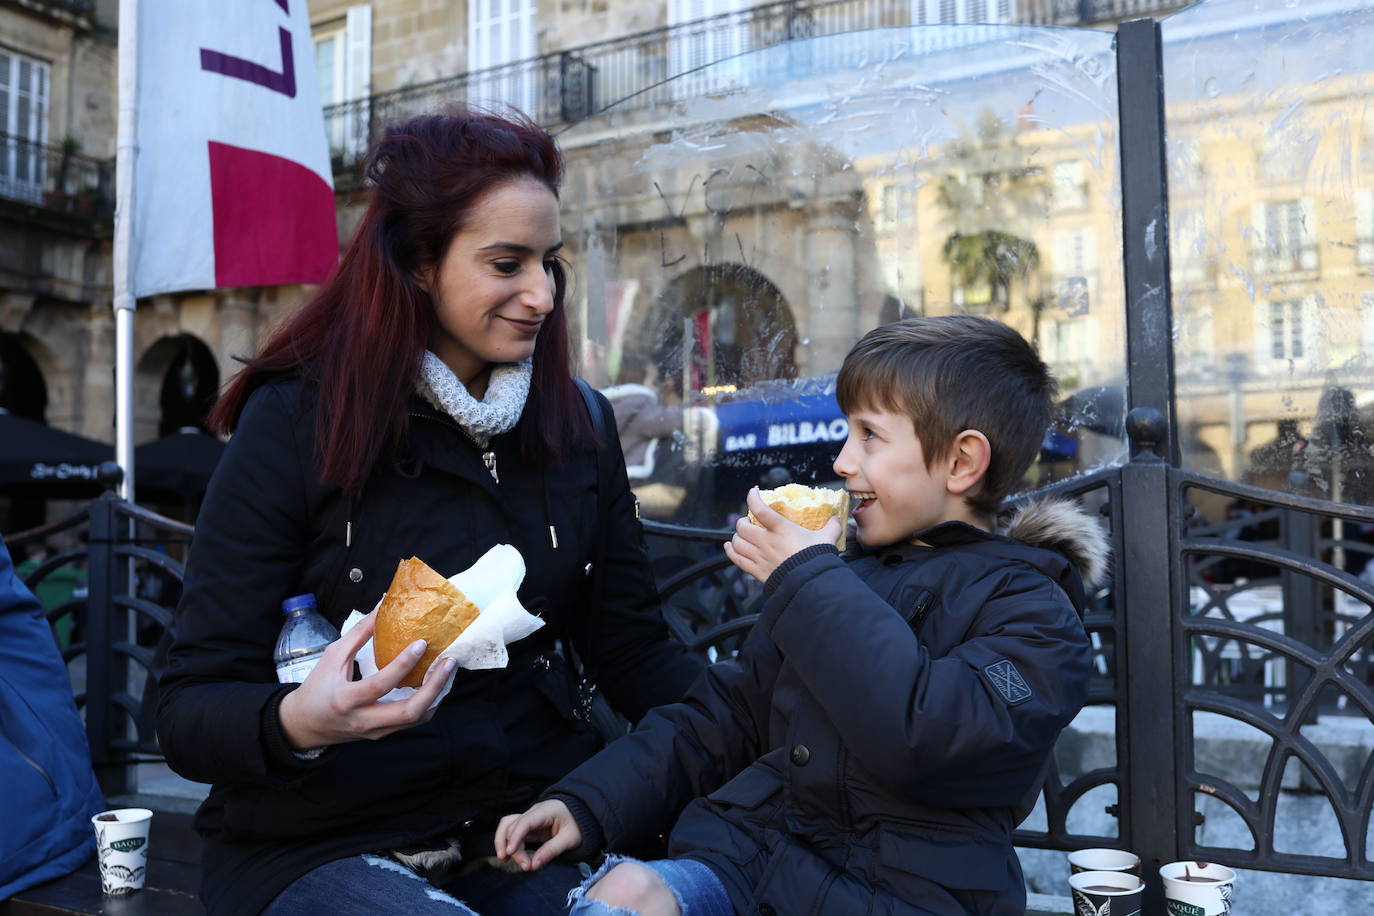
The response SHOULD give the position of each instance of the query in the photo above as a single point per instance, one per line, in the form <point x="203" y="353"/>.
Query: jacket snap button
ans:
<point x="355" y="575"/>
<point x="801" y="755"/>
<point x="766" y="909"/>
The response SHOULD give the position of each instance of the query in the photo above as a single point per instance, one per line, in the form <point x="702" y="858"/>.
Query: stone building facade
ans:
<point x="803" y="261"/>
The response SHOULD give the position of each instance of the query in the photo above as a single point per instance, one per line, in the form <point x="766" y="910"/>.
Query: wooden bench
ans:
<point x="170" y="888"/>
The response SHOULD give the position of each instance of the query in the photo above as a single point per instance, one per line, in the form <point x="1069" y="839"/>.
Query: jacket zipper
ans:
<point x="488" y="456"/>
<point x="33" y="763"/>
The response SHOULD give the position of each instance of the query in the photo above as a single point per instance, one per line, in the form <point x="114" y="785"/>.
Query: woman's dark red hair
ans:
<point x="360" y="338"/>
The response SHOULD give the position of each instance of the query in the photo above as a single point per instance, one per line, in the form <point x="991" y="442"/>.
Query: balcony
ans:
<point x="567" y="86"/>
<point x="79" y="13"/>
<point x="55" y="184"/>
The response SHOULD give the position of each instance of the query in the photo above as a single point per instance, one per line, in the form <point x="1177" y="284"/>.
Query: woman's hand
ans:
<point x="760" y="549"/>
<point x="331" y="708"/>
<point x="548" y="822"/>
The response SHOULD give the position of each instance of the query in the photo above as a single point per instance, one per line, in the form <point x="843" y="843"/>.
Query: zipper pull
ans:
<point x="489" y="459"/>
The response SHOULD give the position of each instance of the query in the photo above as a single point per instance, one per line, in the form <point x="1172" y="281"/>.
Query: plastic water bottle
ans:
<point x="304" y="637"/>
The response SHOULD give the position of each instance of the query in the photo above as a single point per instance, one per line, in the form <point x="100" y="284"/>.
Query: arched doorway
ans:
<point x="23" y="392"/>
<point x="720" y="325"/>
<point x="22" y="388"/>
<point x="183" y="372"/>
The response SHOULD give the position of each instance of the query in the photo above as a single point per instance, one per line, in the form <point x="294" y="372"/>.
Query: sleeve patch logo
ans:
<point x="1009" y="682"/>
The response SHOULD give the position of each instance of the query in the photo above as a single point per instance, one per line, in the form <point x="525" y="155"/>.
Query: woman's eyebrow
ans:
<point x="517" y="248"/>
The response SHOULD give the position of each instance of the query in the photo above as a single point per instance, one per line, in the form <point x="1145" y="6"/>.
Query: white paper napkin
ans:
<point x="491" y="584"/>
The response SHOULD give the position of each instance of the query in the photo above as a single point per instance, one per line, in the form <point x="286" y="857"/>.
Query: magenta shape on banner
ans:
<point x="274" y="219"/>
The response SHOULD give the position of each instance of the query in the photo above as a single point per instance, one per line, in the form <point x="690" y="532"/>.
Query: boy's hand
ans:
<point x="760" y="549"/>
<point x="549" y="821"/>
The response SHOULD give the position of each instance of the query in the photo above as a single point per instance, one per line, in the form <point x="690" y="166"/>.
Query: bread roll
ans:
<point x="810" y="507"/>
<point x="420" y="604"/>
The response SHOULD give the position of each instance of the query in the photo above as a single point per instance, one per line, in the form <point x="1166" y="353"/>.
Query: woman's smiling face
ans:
<point x="494" y="286"/>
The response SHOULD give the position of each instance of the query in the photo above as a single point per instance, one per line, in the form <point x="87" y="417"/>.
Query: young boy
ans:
<point x="889" y="720"/>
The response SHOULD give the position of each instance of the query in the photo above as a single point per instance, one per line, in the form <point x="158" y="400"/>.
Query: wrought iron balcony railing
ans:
<point x="76" y="12"/>
<point x="57" y="179"/>
<point x="569" y="85"/>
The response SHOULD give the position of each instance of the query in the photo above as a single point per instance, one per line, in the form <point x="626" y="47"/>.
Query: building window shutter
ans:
<point x="1307" y="237"/>
<point x="690" y="47"/>
<point x="501" y="33"/>
<point x="358" y="58"/>
<point x="1364" y="227"/>
<point x="24" y="121"/>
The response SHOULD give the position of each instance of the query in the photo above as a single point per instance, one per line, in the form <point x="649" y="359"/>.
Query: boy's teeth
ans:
<point x="858" y="495"/>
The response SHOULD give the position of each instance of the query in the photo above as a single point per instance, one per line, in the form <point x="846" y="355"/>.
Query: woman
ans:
<point x="420" y="403"/>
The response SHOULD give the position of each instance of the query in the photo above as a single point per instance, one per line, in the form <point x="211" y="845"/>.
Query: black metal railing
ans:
<point x="58" y="179"/>
<point x="110" y="629"/>
<point x="569" y="85"/>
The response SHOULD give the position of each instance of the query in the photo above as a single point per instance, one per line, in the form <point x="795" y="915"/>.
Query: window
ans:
<point x="343" y="73"/>
<point x="949" y="12"/>
<point x="1193" y="263"/>
<point x="1075" y="269"/>
<point x="1287" y="237"/>
<point x="1366" y="142"/>
<point x="895" y="207"/>
<point x="1069" y="346"/>
<point x="1367" y="309"/>
<point x="1069" y="189"/>
<point x="23" y="126"/>
<point x="1364" y="227"/>
<point x="693" y="44"/>
<point x="501" y="32"/>
<point x="1285" y="334"/>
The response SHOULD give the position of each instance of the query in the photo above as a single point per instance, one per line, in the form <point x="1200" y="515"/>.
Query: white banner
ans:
<point x="232" y="181"/>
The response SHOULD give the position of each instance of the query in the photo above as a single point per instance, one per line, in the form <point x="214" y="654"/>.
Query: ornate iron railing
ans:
<point x="569" y="85"/>
<point x="118" y="628"/>
<point x="57" y="179"/>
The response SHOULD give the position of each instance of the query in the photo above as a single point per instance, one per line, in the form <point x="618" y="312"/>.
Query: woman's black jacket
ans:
<point x="269" y="529"/>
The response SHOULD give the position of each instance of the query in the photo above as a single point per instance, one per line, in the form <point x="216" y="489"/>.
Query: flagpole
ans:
<point x="124" y="301"/>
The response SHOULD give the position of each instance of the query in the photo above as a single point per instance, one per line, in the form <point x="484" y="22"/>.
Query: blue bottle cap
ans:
<point x="298" y="602"/>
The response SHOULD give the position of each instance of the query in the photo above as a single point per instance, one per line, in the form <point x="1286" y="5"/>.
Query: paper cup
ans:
<point x="1197" y="888"/>
<point x="121" y="837"/>
<point x="1106" y="893"/>
<point x="1103" y="860"/>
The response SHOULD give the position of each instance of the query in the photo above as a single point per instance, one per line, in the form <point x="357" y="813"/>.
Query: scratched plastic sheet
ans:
<point x="733" y="234"/>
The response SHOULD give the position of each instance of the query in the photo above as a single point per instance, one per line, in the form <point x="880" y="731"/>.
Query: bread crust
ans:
<point x="420" y="604"/>
<point x="810" y="507"/>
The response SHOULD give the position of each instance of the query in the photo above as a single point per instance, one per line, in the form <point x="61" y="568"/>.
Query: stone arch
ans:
<point x="176" y="383"/>
<point x="25" y="388"/>
<point x="719" y="324"/>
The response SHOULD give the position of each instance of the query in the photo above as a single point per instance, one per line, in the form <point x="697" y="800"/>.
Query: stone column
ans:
<point x="14" y="307"/>
<point x="238" y="330"/>
<point x="98" y="386"/>
<point x="831" y="320"/>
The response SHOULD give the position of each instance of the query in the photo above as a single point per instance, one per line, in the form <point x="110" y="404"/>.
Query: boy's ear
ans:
<point x="968" y="461"/>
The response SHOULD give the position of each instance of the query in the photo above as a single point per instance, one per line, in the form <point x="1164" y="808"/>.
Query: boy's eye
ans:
<point x="506" y="267"/>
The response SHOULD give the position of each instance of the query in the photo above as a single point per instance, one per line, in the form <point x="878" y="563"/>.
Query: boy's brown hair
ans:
<point x="953" y="373"/>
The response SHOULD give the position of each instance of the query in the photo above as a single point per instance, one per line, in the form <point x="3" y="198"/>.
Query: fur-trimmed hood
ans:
<point x="1062" y="526"/>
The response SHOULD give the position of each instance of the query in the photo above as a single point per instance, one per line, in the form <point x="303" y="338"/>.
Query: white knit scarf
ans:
<point x="497" y="412"/>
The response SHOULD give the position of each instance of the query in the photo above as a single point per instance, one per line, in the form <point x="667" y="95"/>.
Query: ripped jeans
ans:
<point x="695" y="887"/>
<point x="367" y="885"/>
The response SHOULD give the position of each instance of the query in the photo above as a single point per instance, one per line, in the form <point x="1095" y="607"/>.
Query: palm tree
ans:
<point x="989" y="186"/>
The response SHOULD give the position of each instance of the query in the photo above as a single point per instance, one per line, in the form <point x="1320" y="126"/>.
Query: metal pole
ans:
<point x="1155" y="590"/>
<point x="124" y="302"/>
<point x="1145" y="224"/>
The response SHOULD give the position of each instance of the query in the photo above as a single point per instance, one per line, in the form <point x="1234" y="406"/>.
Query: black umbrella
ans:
<point x="180" y="463"/>
<point x="37" y="460"/>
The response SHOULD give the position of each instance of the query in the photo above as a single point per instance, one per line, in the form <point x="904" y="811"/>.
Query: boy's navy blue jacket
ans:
<point x="45" y="765"/>
<point x="880" y="735"/>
